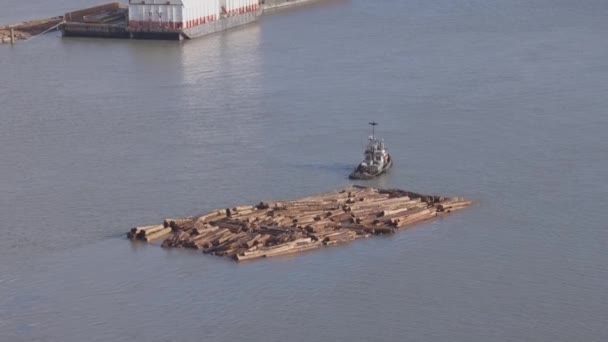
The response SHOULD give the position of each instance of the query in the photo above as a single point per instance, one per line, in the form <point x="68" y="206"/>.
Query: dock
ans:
<point x="167" y="20"/>
<point x="269" y="229"/>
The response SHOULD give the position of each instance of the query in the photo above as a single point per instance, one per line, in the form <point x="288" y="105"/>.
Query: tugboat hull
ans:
<point x="365" y="175"/>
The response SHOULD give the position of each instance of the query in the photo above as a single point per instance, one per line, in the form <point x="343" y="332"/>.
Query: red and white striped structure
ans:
<point x="183" y="14"/>
<point x="235" y="7"/>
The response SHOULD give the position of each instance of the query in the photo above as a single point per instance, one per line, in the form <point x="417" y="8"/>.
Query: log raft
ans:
<point x="284" y="227"/>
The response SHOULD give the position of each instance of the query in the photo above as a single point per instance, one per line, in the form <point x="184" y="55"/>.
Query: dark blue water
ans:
<point x="502" y="102"/>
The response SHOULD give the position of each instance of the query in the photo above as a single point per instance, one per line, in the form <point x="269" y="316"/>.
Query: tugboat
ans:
<point x="377" y="159"/>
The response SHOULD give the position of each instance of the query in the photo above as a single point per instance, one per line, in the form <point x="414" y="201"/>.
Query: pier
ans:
<point x="169" y="20"/>
<point x="269" y="229"/>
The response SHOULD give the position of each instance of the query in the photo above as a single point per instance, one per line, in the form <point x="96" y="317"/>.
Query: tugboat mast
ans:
<point x="373" y="126"/>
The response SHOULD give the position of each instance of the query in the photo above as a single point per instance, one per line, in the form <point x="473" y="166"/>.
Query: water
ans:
<point x="502" y="102"/>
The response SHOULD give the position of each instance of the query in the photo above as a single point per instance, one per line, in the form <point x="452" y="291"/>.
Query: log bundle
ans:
<point x="283" y="227"/>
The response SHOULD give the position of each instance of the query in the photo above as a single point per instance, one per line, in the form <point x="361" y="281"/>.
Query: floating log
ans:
<point x="157" y="234"/>
<point x="149" y="230"/>
<point x="270" y="229"/>
<point x="140" y="233"/>
<point x="184" y="223"/>
<point x="215" y="214"/>
<point x="132" y="234"/>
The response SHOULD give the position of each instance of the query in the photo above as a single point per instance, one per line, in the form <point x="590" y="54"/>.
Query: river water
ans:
<point x="503" y="102"/>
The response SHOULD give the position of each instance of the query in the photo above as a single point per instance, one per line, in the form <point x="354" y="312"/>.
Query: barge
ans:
<point x="160" y="19"/>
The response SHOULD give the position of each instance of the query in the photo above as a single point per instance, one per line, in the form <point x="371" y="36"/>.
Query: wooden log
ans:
<point x="215" y="248"/>
<point x="263" y="205"/>
<point x="368" y="200"/>
<point x="400" y="193"/>
<point x="204" y="241"/>
<point x="328" y="196"/>
<point x="304" y="220"/>
<point x="340" y="239"/>
<point x="277" y="206"/>
<point x="293" y="246"/>
<point x="281" y="221"/>
<point x="453" y="204"/>
<point x="341" y="218"/>
<point x="225" y="244"/>
<point x="181" y="236"/>
<point x="383" y="230"/>
<point x="211" y="244"/>
<point x="243" y="257"/>
<point x="213" y="235"/>
<point x="332" y="213"/>
<point x="294" y="249"/>
<point x="296" y="214"/>
<point x="185" y="225"/>
<point x="276" y="230"/>
<point x="358" y="228"/>
<point x="240" y="214"/>
<point x="240" y="243"/>
<point x="366" y="212"/>
<point x="214" y="214"/>
<point x="146" y="231"/>
<point x="386" y="204"/>
<point x="251" y="216"/>
<point x="157" y="234"/>
<point x="388" y="219"/>
<point x="263" y="239"/>
<point x="206" y="233"/>
<point x="304" y="209"/>
<point x="318" y="226"/>
<point x="339" y="235"/>
<point x="392" y="212"/>
<point x="204" y="228"/>
<point x="253" y="240"/>
<point x="226" y="237"/>
<point x="243" y="208"/>
<point x="234" y="227"/>
<point x="266" y="221"/>
<point x="306" y="204"/>
<point x="416" y="217"/>
<point x="322" y="235"/>
<point x="177" y="239"/>
<point x="177" y="221"/>
<point x="134" y="232"/>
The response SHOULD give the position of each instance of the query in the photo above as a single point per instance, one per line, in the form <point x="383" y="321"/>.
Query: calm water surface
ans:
<point x="503" y="102"/>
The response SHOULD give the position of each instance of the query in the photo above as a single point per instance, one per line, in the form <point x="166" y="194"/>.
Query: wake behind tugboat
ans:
<point x="377" y="159"/>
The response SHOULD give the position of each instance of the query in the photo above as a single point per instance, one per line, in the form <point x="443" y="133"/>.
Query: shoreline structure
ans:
<point x="151" y="19"/>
